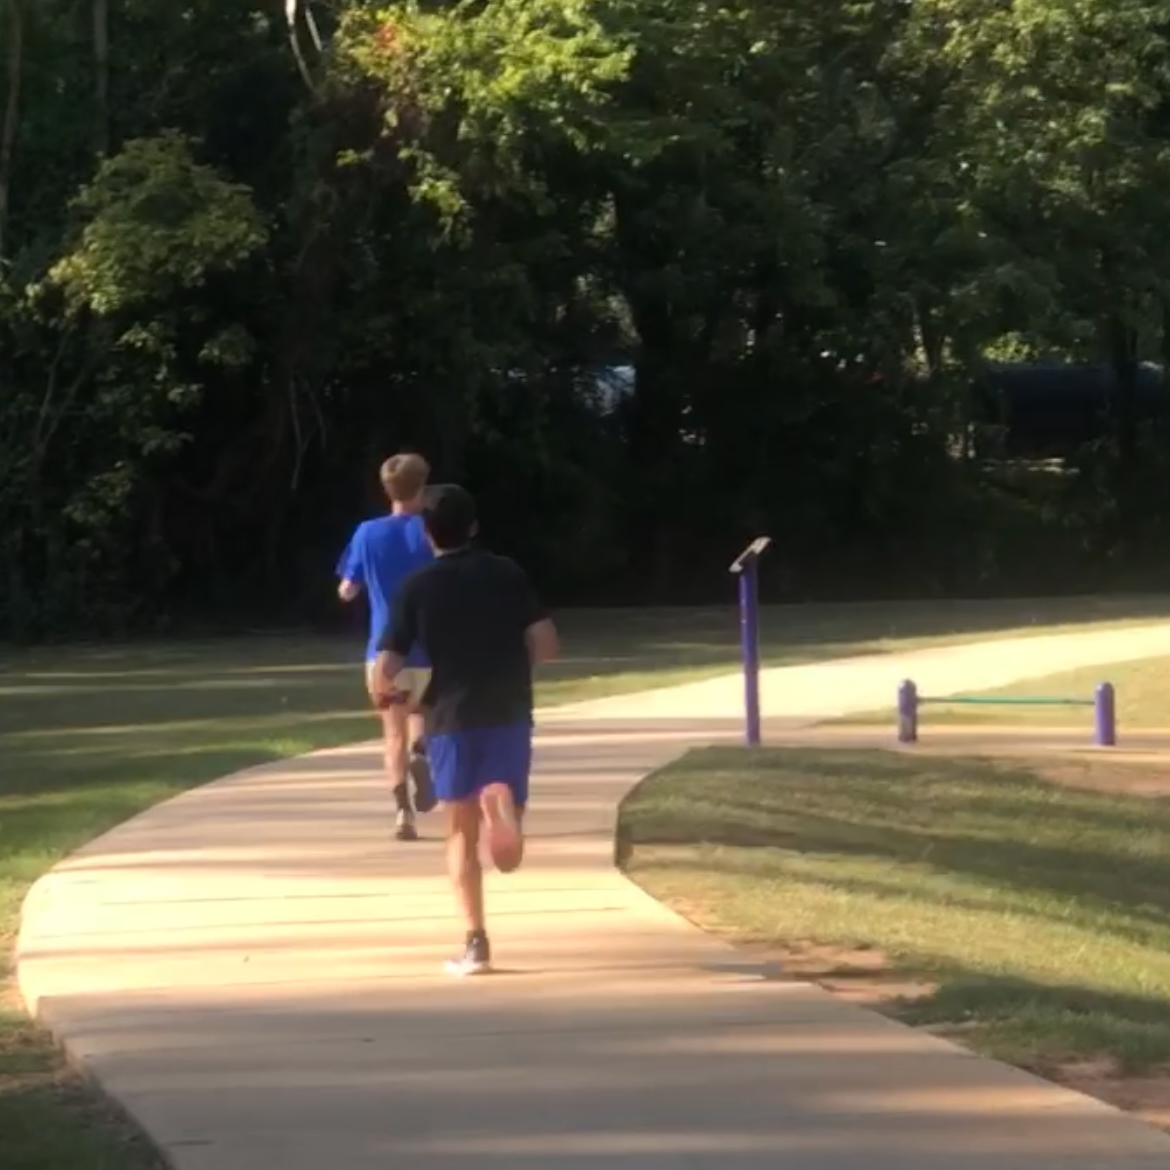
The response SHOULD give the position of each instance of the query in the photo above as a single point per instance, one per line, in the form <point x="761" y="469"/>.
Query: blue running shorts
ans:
<point x="463" y="763"/>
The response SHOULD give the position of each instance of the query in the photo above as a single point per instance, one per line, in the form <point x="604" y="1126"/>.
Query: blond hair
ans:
<point x="404" y="476"/>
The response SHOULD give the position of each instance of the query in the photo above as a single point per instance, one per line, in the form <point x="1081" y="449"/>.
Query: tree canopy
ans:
<point x="650" y="276"/>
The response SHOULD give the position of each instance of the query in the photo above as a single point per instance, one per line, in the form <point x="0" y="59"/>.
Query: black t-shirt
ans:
<point x="469" y="611"/>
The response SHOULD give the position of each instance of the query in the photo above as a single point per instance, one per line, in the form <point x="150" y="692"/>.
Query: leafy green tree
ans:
<point x="123" y="318"/>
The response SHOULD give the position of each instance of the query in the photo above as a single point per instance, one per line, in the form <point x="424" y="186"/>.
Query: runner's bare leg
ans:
<point x="463" y="864"/>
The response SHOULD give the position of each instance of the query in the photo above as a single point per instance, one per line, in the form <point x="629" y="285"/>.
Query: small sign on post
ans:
<point x="746" y="566"/>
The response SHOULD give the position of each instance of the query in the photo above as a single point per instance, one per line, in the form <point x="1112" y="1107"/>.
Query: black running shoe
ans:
<point x="404" y="829"/>
<point x="419" y="771"/>
<point x="475" y="960"/>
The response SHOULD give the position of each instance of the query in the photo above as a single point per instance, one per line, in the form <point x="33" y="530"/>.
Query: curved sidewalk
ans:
<point x="252" y="969"/>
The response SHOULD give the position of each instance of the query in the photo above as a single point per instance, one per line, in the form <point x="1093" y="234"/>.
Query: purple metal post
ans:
<point x="907" y="713"/>
<point x="749" y="637"/>
<point x="1105" y="716"/>
<point x="744" y="566"/>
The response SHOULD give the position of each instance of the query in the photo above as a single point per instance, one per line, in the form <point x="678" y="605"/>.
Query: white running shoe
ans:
<point x="475" y="960"/>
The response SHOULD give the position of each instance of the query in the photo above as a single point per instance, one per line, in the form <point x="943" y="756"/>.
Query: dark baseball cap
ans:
<point x="450" y="516"/>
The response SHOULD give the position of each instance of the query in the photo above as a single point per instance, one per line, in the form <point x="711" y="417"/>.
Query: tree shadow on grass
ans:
<point x="61" y="1119"/>
<point x="1139" y="927"/>
<point x="1094" y="861"/>
<point x="185" y="759"/>
<point x="1002" y="825"/>
<point x="1044" y="1025"/>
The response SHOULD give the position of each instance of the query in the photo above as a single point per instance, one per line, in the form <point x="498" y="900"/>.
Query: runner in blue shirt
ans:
<point x="381" y="555"/>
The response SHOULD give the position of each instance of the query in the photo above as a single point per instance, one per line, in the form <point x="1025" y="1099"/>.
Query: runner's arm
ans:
<point x="349" y="567"/>
<point x="540" y="633"/>
<point x="387" y="667"/>
<point x="544" y="643"/>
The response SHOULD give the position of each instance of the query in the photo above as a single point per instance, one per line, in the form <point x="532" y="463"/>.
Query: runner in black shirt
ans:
<point x="480" y="624"/>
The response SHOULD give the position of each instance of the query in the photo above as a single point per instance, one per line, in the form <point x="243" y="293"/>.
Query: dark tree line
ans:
<point x="248" y="249"/>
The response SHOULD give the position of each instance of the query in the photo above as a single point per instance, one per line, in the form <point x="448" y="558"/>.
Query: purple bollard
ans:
<point x="744" y="566"/>
<point x="749" y="637"/>
<point x="907" y="712"/>
<point x="1105" y="716"/>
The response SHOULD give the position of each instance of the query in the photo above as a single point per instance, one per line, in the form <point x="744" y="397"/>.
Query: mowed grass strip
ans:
<point x="1142" y="689"/>
<point x="1034" y="914"/>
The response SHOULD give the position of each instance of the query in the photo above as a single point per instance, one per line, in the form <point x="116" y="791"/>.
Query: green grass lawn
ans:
<point x="91" y="735"/>
<point x="1033" y="916"/>
<point x="1143" y="701"/>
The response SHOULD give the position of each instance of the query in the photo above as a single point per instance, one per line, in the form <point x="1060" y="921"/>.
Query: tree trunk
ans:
<point x="101" y="72"/>
<point x="1123" y="358"/>
<point x="1165" y="347"/>
<point x="1122" y="348"/>
<point x="15" y="67"/>
<point x="293" y="12"/>
<point x="931" y="339"/>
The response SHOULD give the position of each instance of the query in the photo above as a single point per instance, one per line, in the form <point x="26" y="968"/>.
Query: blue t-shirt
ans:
<point x="381" y="554"/>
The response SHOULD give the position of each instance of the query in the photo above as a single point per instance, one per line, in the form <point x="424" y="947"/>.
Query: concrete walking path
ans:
<point x="253" y="970"/>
